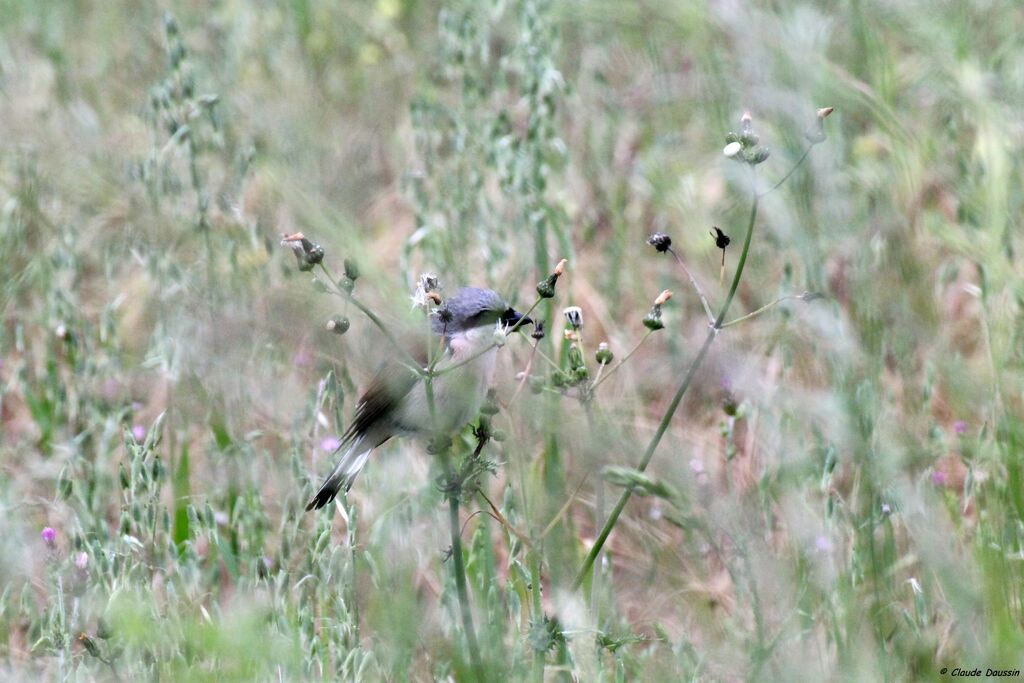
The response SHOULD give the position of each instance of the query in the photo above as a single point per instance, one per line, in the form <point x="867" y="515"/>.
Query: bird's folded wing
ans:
<point x="388" y="388"/>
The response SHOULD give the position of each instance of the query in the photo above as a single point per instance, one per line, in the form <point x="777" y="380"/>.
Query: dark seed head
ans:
<point x="660" y="241"/>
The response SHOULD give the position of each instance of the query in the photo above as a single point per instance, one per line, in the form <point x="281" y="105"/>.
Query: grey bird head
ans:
<point x="472" y="307"/>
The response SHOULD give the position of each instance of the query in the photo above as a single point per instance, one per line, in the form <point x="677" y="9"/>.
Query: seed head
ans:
<point x="660" y="241"/>
<point x="307" y="253"/>
<point x="721" y="239"/>
<point x="604" y="354"/>
<point x="427" y="284"/>
<point x="574" y="316"/>
<point x="338" y="324"/>
<point x="538" y="330"/>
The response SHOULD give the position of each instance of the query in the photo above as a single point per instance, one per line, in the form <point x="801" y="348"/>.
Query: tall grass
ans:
<point x="837" y="496"/>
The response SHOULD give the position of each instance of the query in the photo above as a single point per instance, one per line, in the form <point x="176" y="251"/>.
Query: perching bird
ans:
<point x="395" y="404"/>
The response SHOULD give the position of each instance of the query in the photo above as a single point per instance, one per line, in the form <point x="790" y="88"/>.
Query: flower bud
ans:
<point x="756" y="155"/>
<point x="574" y="316"/>
<point x="660" y="241"/>
<point x="538" y="330"/>
<point x="338" y="324"/>
<point x="306" y="253"/>
<point x="546" y="287"/>
<point x="604" y="355"/>
<point x="816" y="133"/>
<point x="575" y="357"/>
<point x="351" y="270"/>
<point x="652" y="320"/>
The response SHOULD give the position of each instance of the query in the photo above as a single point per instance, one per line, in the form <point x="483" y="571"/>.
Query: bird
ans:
<point x="395" y="403"/>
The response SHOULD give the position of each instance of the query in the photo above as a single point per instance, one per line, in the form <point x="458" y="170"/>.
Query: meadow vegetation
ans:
<point x="830" y="489"/>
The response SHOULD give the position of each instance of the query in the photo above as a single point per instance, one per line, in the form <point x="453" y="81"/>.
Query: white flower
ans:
<point x="732" y="149"/>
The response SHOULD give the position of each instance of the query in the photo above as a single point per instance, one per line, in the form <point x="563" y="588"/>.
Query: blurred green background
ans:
<point x="859" y="516"/>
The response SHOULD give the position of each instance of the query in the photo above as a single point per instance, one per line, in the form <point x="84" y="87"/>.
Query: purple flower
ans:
<point x="138" y="432"/>
<point x="960" y="427"/>
<point x="822" y="544"/>
<point x="49" y="536"/>
<point x="939" y="478"/>
<point x="82" y="560"/>
<point x="330" y="444"/>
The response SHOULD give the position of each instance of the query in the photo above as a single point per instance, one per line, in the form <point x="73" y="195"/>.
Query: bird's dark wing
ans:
<point x="387" y="389"/>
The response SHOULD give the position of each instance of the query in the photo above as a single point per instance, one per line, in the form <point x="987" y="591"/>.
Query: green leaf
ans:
<point x="182" y="494"/>
<point x="642" y="485"/>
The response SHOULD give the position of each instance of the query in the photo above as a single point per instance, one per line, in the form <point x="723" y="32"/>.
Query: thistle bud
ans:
<point x="816" y="133"/>
<point x="538" y="330"/>
<point x="652" y="320"/>
<point x="756" y="155"/>
<point x="351" y="270"/>
<point x="307" y="253"/>
<point x="546" y="287"/>
<point x="575" y="357"/>
<point x="490" y="406"/>
<point x="604" y="354"/>
<point x="89" y="644"/>
<point x="660" y="241"/>
<point x="338" y="324"/>
<point x="574" y="317"/>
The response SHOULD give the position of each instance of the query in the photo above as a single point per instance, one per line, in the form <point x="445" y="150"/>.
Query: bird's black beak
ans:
<point x="514" y="319"/>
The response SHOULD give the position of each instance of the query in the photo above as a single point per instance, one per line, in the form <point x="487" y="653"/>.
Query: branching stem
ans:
<point x="652" y="446"/>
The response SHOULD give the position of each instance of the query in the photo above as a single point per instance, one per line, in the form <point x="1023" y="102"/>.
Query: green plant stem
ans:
<point x="595" y="550"/>
<point x="459" y="569"/>
<point x="599" y="379"/>
<point x="373" y="318"/>
<point x="539" y="656"/>
<point x="764" y="308"/>
<point x="788" y="173"/>
<point x="693" y="281"/>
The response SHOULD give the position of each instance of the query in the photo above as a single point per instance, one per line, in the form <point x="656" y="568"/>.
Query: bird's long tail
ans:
<point x="344" y="474"/>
